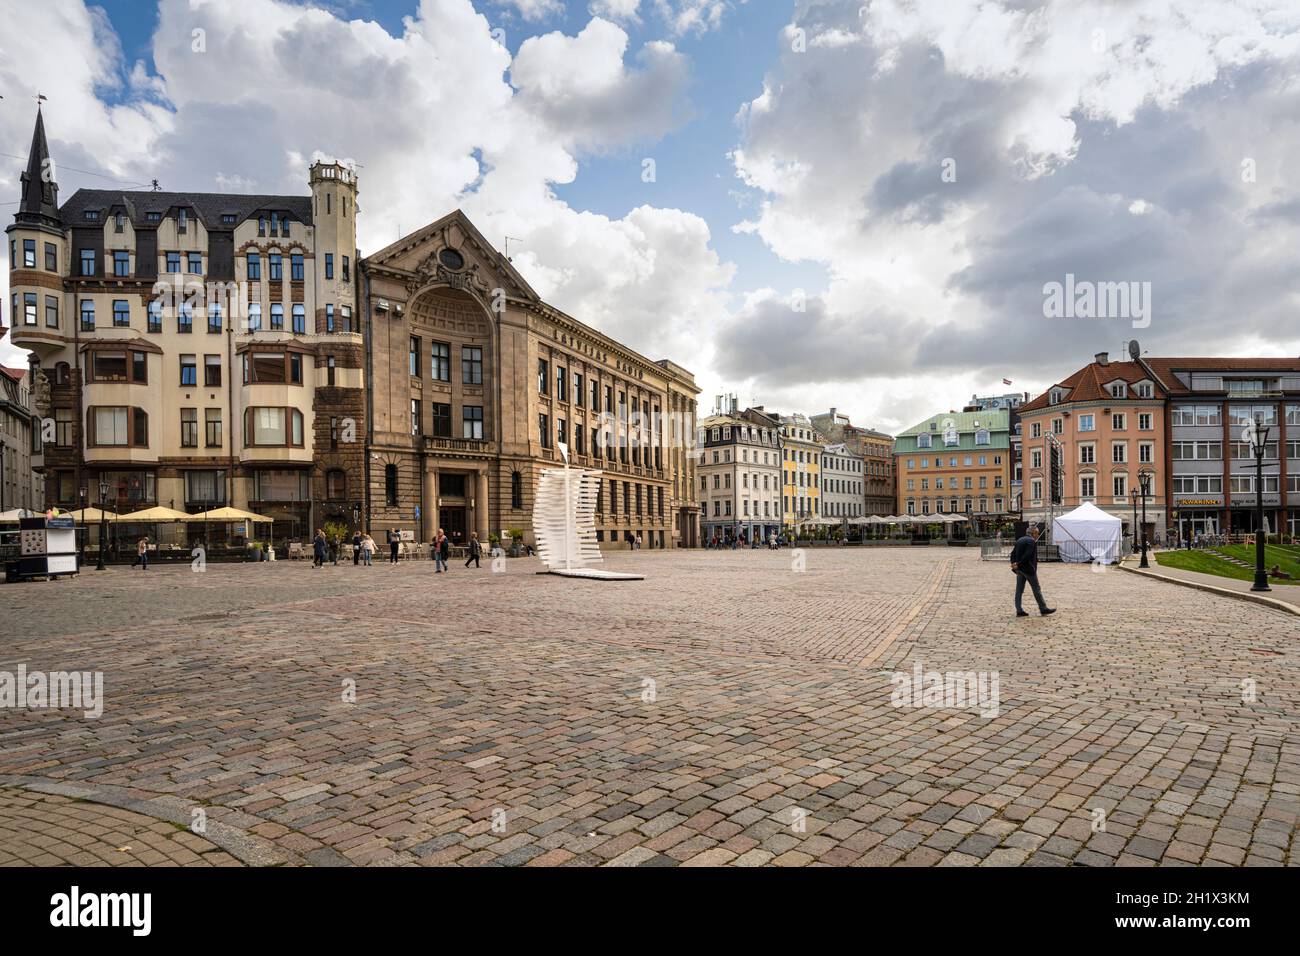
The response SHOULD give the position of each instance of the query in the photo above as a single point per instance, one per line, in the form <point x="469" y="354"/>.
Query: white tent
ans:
<point x="1087" y="534"/>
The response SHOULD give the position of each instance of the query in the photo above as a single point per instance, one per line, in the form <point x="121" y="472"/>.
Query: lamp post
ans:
<point x="1144" y="481"/>
<point x="1133" y="496"/>
<point x="81" y="493"/>
<point x="103" y="500"/>
<point x="1256" y="434"/>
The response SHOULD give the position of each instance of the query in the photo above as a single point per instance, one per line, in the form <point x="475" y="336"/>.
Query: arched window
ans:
<point x="62" y="373"/>
<point x="390" y="485"/>
<point x="982" y="436"/>
<point x="516" y="490"/>
<point x="336" y="485"/>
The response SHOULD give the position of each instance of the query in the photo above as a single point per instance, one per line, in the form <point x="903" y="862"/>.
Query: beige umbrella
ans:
<point x="228" y="514"/>
<point x="91" y="514"/>
<point x="156" y="514"/>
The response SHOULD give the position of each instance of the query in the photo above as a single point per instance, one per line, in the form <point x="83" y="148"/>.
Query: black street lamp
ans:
<point x="1257" y="436"/>
<point x="1144" y="481"/>
<point x="1133" y="496"/>
<point x="103" y="500"/>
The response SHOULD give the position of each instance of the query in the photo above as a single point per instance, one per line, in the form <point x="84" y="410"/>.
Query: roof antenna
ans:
<point x="154" y="184"/>
<point x="507" y="252"/>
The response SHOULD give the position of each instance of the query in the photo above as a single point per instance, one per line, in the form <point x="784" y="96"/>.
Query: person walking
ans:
<point x="441" y="551"/>
<point x="141" y="554"/>
<point x="368" y="550"/>
<point x="318" y="549"/>
<point x="638" y="540"/>
<point x="356" y="548"/>
<point x="1024" y="562"/>
<point x="394" y="538"/>
<point x="475" y="549"/>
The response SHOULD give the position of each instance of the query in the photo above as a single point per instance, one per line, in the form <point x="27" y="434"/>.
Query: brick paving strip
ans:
<point x="720" y="713"/>
<point x="41" y="828"/>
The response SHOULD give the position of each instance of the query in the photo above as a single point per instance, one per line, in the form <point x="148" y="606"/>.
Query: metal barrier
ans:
<point x="1078" y="551"/>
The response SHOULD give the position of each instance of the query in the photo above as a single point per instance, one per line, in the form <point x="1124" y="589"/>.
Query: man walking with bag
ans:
<point x="1024" y="562"/>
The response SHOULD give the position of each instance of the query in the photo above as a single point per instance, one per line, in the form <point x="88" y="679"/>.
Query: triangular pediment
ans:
<point x="452" y="249"/>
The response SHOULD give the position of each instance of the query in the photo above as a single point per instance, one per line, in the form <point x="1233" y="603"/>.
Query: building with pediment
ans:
<point x="475" y="383"/>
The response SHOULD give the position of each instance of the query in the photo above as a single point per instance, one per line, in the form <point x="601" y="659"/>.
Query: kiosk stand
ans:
<point x="48" y="549"/>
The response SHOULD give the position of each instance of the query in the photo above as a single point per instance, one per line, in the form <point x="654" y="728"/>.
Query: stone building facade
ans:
<point x="476" y="383"/>
<point x="194" y="349"/>
<point x="740" y="475"/>
<point x="874" y="448"/>
<point x="21" y="485"/>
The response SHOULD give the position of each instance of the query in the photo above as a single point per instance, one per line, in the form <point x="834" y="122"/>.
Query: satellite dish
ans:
<point x="1134" y="350"/>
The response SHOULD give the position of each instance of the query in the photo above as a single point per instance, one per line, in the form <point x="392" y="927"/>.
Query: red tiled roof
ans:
<point x="17" y="374"/>
<point x="1089" y="384"/>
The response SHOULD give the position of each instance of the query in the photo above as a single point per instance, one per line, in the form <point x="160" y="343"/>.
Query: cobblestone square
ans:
<point x="725" y="710"/>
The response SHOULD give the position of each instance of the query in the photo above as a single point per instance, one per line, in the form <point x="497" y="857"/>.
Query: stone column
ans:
<point x="429" y="514"/>
<point x="482" y="509"/>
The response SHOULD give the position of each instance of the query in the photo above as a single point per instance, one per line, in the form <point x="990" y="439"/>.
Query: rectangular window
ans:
<point x="277" y="317"/>
<point x="417" y="419"/>
<point x="121" y="263"/>
<point x="561" y="384"/>
<point x="194" y="263"/>
<point x="121" y="313"/>
<point x="1117" y="422"/>
<point x="471" y="365"/>
<point x="253" y="266"/>
<point x="276" y="266"/>
<point x="413" y="357"/>
<point x="329" y="265"/>
<point x="544" y="429"/>
<point x="185" y="317"/>
<point x="212" y="427"/>
<point x="51" y="257"/>
<point x="577" y="389"/>
<point x="472" y="421"/>
<point x="87" y="315"/>
<point x="1144" y="422"/>
<point x="111" y="426"/>
<point x="329" y="317"/>
<point x="189" y="371"/>
<point x="543" y="377"/>
<point x="88" y="262"/>
<point x="155" y="315"/>
<point x="189" y="428"/>
<point x="173" y="262"/>
<point x="51" y="312"/>
<point x="296" y="269"/>
<point x="182" y="219"/>
<point x="441" y="422"/>
<point x="108" y="366"/>
<point x="440" y="362"/>
<point x="29" y="308"/>
<point x="211" y="370"/>
<point x="29" y="253"/>
<point x="1087" y="423"/>
<point x="346" y="272"/>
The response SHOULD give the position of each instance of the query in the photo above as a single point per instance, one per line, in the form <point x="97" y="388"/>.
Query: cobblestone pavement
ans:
<point x="39" y="829"/>
<point x="726" y="710"/>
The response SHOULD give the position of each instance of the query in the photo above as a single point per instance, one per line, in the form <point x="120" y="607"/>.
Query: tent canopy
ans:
<point x="158" y="513"/>
<point x="228" y="514"/>
<point x="17" y="514"/>
<point x="1088" y="534"/>
<point x="91" y="514"/>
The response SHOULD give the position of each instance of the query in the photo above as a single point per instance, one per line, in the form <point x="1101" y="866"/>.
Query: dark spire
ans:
<point x="40" y="193"/>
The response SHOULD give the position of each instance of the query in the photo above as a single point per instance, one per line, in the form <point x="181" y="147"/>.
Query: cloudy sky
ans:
<point x="815" y="203"/>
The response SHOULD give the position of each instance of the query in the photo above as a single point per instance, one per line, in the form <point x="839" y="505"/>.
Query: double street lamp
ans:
<point x="1256" y="435"/>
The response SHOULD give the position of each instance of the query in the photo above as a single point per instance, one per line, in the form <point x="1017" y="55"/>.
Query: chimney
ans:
<point x="1103" y="358"/>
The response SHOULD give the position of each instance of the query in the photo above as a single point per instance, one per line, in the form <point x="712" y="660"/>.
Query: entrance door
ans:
<point x="452" y="521"/>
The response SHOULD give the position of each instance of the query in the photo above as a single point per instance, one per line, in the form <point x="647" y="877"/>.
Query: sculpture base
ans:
<point x="595" y="574"/>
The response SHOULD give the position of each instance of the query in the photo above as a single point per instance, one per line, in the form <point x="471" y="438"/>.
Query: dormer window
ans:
<point x="228" y="218"/>
<point x="92" y="215"/>
<point x="1055" y="396"/>
<point x="119" y="222"/>
<point x="153" y="217"/>
<point x="182" y="220"/>
<point x="1119" y="390"/>
<point x="1144" y="390"/>
<point x="923" y="441"/>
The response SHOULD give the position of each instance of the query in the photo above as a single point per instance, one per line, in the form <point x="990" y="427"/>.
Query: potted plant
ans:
<point x="516" y="542"/>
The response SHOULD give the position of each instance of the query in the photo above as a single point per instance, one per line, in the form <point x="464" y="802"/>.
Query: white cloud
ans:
<point x="533" y="10"/>
<point x="625" y="10"/>
<point x="582" y="89"/>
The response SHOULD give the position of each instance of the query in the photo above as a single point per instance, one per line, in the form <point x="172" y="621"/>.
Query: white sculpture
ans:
<point x="564" y="522"/>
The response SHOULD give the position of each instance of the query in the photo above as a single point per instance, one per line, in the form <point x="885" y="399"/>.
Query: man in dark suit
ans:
<point x="1024" y="562"/>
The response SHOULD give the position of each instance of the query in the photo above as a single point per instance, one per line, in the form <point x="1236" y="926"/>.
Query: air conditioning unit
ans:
<point x="381" y="305"/>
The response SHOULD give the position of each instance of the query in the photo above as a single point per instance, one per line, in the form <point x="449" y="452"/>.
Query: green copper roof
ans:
<point x="996" y="421"/>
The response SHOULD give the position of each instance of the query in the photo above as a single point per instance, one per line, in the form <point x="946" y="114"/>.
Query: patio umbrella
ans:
<point x="156" y="514"/>
<point x="228" y="514"/>
<point x="92" y="514"/>
<point x="16" y="515"/>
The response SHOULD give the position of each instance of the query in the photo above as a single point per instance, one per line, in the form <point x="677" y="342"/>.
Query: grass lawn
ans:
<point x="1209" y="564"/>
